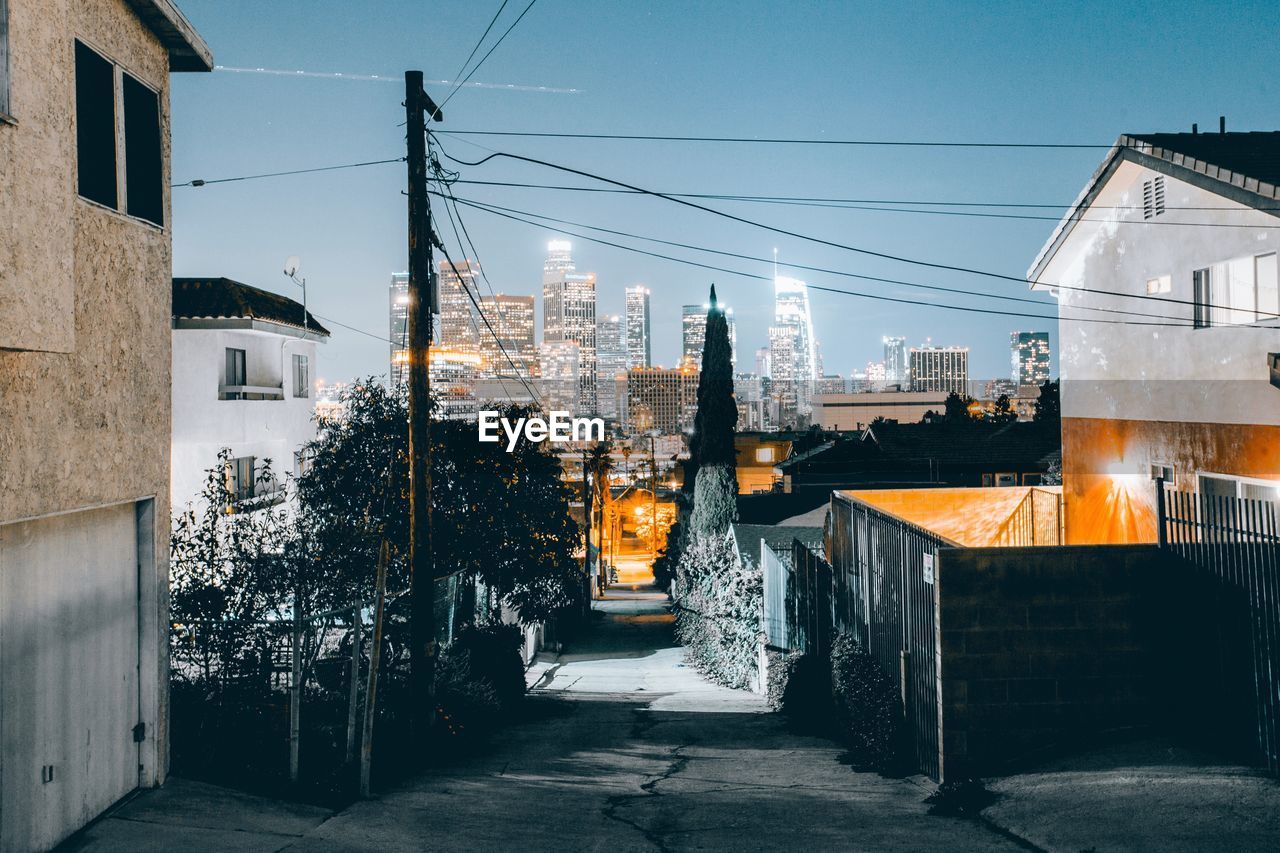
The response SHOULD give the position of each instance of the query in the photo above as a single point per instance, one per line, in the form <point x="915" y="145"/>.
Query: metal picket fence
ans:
<point x="1237" y="542"/>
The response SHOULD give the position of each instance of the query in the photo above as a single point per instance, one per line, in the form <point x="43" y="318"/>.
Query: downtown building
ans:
<point x="693" y="333"/>
<point x="658" y="399"/>
<point x="793" y="352"/>
<point x="398" y="330"/>
<point x="1030" y="358"/>
<point x="512" y="342"/>
<point x="457" y="326"/>
<point x="636" y="322"/>
<point x="569" y="316"/>
<point x="611" y="362"/>
<point x="944" y="369"/>
<point x="1198" y="405"/>
<point x="897" y="363"/>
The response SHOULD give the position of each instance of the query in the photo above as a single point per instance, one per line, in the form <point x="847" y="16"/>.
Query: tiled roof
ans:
<point x="748" y="536"/>
<point x="222" y="298"/>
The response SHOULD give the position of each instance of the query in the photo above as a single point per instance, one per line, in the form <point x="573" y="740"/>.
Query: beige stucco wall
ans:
<point x="85" y="419"/>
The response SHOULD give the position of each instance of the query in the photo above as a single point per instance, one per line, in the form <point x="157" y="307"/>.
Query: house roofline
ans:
<point x="187" y="50"/>
<point x="1235" y="186"/>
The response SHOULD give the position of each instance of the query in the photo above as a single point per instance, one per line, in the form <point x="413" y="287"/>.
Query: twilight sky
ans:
<point x="1078" y="72"/>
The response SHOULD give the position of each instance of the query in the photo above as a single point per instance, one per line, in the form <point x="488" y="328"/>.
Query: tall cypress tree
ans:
<point x="715" y="487"/>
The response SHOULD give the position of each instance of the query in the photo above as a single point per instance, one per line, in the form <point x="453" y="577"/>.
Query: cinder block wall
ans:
<point x="1042" y="647"/>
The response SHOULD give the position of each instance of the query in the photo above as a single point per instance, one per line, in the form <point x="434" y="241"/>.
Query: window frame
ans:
<point x="301" y="376"/>
<point x="1213" y="289"/>
<point x="119" y="74"/>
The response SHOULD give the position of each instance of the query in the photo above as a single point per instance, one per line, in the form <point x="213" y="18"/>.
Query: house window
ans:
<point x="1160" y="284"/>
<point x="95" y="127"/>
<point x="1237" y="292"/>
<point x="764" y="454"/>
<point x="240" y="478"/>
<point x="1160" y="471"/>
<point x="5" y="109"/>
<point x="1006" y="479"/>
<point x="142" y="165"/>
<point x="1153" y="197"/>
<point x="99" y="148"/>
<point x="301" y="380"/>
<point x="235" y="376"/>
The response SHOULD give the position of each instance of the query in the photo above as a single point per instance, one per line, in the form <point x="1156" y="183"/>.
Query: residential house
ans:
<point x="243" y="367"/>
<point x="1181" y="228"/>
<point x="758" y="454"/>
<point x="85" y="266"/>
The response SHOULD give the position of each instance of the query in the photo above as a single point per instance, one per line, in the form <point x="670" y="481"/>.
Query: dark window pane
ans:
<point x="95" y="127"/>
<point x="142" y="186"/>
<point x="4" y="58"/>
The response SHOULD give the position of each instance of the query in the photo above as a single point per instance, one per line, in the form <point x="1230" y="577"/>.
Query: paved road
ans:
<point x="626" y="748"/>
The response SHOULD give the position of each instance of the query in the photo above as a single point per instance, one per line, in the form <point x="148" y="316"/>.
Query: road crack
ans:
<point x="677" y="764"/>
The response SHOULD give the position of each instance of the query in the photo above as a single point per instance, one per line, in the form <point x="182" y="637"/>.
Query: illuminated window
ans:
<point x="764" y="454"/>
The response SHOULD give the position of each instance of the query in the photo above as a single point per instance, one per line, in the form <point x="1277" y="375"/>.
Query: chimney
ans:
<point x="1222" y="124"/>
<point x="1195" y="128"/>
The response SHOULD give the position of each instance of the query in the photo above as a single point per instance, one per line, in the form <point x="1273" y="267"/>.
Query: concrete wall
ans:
<point x="203" y="424"/>
<point x="857" y="411"/>
<point x="84" y="328"/>
<point x="1042" y="647"/>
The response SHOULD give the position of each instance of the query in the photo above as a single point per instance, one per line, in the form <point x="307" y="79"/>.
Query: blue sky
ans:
<point x="1036" y="72"/>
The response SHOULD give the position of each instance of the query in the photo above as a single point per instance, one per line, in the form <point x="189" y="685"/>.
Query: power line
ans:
<point x="396" y="78"/>
<point x="829" y="243"/>
<point x="762" y="140"/>
<point x="480" y="40"/>
<point x="490" y="52"/>
<point x="842" y="273"/>
<point x="200" y="182"/>
<point x="861" y="294"/>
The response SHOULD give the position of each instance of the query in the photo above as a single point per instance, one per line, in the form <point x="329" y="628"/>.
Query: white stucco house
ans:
<point x="243" y="366"/>
<point x="1173" y="245"/>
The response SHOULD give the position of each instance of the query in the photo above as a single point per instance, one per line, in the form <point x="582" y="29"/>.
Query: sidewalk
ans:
<point x="1147" y="796"/>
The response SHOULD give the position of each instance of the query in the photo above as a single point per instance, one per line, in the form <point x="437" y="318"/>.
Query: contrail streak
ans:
<point x="395" y="78"/>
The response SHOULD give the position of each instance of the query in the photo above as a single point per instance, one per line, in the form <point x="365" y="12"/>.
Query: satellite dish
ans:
<point x="291" y="265"/>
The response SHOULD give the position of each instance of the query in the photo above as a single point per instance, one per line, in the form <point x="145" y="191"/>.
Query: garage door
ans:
<point x="68" y="671"/>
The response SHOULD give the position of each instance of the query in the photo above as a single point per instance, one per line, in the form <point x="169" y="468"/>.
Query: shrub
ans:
<point x="960" y="798"/>
<point x="805" y="692"/>
<point x="868" y="709"/>
<point x="718" y="601"/>
<point x="479" y="678"/>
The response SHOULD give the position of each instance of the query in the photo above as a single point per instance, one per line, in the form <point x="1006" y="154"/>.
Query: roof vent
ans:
<point x="1153" y="197"/>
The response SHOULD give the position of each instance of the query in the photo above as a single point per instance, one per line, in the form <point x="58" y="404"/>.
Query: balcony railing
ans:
<point x="251" y="392"/>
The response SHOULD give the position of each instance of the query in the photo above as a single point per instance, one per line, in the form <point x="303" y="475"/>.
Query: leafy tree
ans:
<point x="956" y="408"/>
<point x="500" y="518"/>
<point x="1004" y="412"/>
<point x="715" y="485"/>
<point x="1049" y="404"/>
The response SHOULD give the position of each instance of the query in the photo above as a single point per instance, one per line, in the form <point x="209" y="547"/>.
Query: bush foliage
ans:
<point x="479" y="679"/>
<point x="868" y="709"/>
<point x="718" y="610"/>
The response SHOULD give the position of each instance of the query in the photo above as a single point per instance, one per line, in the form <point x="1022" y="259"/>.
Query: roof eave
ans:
<point x="187" y="50"/>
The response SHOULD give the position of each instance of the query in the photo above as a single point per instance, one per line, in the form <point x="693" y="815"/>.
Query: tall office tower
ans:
<point x="941" y="369"/>
<point x="453" y="380"/>
<point x="639" y="352"/>
<point x="611" y="360"/>
<point x="569" y="315"/>
<point x="1029" y="353"/>
<point x="459" y="328"/>
<point x="559" y="373"/>
<point x="896" y="366"/>
<point x="512" y="319"/>
<point x="693" y="329"/>
<point x="659" y="398"/>
<point x="792" y="349"/>
<point x="763" y="363"/>
<point x="398" y="331"/>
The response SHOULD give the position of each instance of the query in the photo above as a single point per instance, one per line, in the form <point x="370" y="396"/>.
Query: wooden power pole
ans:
<point x="422" y="650"/>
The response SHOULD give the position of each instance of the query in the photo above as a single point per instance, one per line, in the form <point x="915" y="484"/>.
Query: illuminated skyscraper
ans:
<point x="793" y="353"/>
<point x="512" y="318"/>
<point x="1029" y="353"/>
<point x="896" y="365"/>
<point x="459" y="329"/>
<point x="569" y="315"/>
<point x="942" y="369"/>
<point x="398" y="331"/>
<point x="639" y="352"/>
<point x="611" y="360"/>
<point x="559" y="365"/>
<point x="694" y="333"/>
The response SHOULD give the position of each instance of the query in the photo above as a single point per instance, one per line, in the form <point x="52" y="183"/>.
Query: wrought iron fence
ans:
<point x="1037" y="520"/>
<point x="1237" y="542"/>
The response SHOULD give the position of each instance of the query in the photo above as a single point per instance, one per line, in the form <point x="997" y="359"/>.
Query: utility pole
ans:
<point x="422" y="643"/>
<point x="587" y="515"/>
<point x="653" y="493"/>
